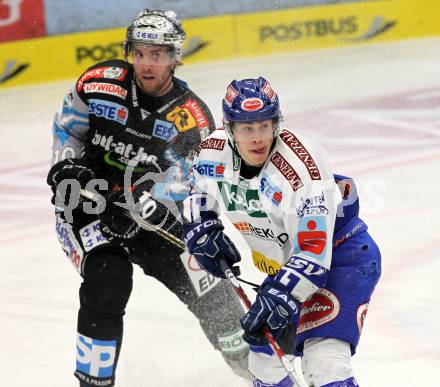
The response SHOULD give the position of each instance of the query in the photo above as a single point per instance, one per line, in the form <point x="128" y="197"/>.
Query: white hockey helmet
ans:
<point x="155" y="27"/>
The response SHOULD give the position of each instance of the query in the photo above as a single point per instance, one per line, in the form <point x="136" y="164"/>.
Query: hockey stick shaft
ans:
<point x="142" y="222"/>
<point x="148" y="226"/>
<point x="288" y="366"/>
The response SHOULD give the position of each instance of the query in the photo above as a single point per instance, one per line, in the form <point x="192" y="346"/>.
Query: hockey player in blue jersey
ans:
<point x="302" y="226"/>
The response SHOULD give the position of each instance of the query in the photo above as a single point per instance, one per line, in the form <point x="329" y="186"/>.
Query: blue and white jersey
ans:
<point x="286" y="213"/>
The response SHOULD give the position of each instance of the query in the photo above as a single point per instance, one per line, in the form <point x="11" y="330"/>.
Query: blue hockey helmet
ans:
<point x="250" y="100"/>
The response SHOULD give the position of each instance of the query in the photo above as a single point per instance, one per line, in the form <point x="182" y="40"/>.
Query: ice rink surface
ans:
<point x="376" y="110"/>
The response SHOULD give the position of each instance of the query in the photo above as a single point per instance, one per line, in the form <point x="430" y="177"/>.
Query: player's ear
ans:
<point x="173" y="66"/>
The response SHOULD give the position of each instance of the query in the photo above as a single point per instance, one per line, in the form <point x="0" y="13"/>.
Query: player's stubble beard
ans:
<point x="162" y="88"/>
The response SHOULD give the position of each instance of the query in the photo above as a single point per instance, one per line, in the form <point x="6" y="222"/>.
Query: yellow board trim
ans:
<point x="227" y="36"/>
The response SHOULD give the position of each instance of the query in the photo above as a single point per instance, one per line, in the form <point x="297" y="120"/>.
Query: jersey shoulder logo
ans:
<point x="117" y="73"/>
<point x="213" y="143"/>
<point x="302" y="153"/>
<point x="197" y="112"/>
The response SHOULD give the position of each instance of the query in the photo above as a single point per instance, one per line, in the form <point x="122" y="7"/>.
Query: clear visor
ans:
<point x="152" y="55"/>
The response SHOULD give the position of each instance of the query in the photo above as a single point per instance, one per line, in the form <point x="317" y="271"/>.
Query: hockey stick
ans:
<point x="142" y="222"/>
<point x="164" y="234"/>
<point x="288" y="366"/>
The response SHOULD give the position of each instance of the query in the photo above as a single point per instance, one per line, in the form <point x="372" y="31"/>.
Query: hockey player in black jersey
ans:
<point x="122" y="121"/>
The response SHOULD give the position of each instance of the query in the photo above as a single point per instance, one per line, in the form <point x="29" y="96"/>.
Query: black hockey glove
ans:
<point x="208" y="243"/>
<point x="116" y="219"/>
<point x="75" y="169"/>
<point x="274" y="308"/>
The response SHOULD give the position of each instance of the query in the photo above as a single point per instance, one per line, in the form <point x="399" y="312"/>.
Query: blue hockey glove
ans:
<point x="209" y="244"/>
<point x="274" y="308"/>
<point x="76" y="169"/>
